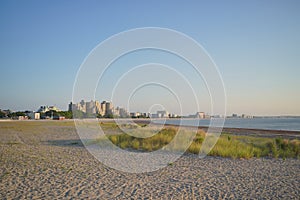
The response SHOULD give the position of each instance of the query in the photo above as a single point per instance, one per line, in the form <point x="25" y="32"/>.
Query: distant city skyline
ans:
<point x="105" y="107"/>
<point x="255" y="45"/>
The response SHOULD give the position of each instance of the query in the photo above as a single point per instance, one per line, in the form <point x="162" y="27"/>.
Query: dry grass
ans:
<point x="227" y="145"/>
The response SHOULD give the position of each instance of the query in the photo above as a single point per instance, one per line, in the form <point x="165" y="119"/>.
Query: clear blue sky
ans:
<point x="255" y="44"/>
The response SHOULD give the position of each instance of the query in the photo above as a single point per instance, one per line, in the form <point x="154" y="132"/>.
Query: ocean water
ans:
<point x="291" y="124"/>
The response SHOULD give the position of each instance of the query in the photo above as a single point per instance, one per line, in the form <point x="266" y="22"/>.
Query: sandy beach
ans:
<point x="45" y="160"/>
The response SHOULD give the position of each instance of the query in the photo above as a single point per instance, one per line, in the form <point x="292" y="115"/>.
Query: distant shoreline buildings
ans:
<point x="44" y="109"/>
<point x="244" y="116"/>
<point x="105" y="109"/>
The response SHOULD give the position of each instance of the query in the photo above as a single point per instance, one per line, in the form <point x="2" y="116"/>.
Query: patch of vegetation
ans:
<point x="233" y="146"/>
<point x="155" y="142"/>
<point x="13" y="143"/>
<point x="284" y="148"/>
<point x="108" y="125"/>
<point x="74" y="143"/>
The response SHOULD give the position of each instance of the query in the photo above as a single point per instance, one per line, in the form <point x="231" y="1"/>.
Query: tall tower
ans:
<point x="70" y="106"/>
<point x="109" y="108"/>
<point x="103" y="108"/>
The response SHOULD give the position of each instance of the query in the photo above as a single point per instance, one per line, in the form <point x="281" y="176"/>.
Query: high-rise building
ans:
<point x="90" y="107"/>
<point x="98" y="107"/>
<point x="104" y="108"/>
<point x="108" y="108"/>
<point x="123" y="113"/>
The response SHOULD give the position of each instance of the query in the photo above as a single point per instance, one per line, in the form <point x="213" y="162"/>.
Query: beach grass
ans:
<point x="228" y="145"/>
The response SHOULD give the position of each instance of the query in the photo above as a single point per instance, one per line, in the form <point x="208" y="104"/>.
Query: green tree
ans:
<point x="90" y="115"/>
<point x="51" y="113"/>
<point x="16" y="114"/>
<point x="109" y="116"/>
<point x="2" y="114"/>
<point x="66" y="114"/>
<point x="77" y="114"/>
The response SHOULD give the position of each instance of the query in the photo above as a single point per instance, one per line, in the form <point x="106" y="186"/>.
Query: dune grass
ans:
<point x="153" y="143"/>
<point x="233" y="146"/>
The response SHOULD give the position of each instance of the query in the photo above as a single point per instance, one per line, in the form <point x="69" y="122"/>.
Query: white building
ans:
<point x="162" y="114"/>
<point x="200" y="115"/>
<point x="44" y="109"/>
<point x="34" y="115"/>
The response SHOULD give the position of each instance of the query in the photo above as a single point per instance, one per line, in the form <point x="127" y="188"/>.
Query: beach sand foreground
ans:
<point x="45" y="160"/>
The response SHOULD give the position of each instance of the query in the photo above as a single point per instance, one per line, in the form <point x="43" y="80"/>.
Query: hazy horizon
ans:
<point x="255" y="45"/>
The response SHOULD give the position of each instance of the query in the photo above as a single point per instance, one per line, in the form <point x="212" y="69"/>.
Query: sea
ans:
<point x="280" y="123"/>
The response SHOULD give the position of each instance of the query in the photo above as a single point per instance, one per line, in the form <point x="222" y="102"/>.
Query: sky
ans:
<point x="255" y="45"/>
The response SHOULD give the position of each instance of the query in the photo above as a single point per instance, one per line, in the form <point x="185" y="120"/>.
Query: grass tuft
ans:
<point x="232" y="146"/>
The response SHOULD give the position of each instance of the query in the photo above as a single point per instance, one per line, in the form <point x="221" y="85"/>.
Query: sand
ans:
<point x="42" y="160"/>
